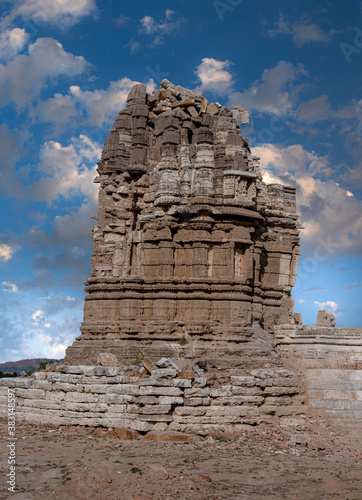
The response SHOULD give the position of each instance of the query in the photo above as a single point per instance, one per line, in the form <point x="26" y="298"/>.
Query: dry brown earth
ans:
<point x="83" y="463"/>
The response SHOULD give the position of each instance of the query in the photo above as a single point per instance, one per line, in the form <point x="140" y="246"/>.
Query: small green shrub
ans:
<point x="221" y="438"/>
<point x="182" y="340"/>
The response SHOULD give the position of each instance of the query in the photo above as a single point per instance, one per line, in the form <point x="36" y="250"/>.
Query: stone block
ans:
<point x="149" y="365"/>
<point x="197" y="392"/>
<point x="123" y="433"/>
<point x="155" y="382"/>
<point x="182" y="383"/>
<point x="154" y="418"/>
<point x="242" y="381"/>
<point x="170" y="400"/>
<point x="190" y="411"/>
<point x="159" y="409"/>
<point x="129" y="389"/>
<point x="193" y="401"/>
<point x="159" y="391"/>
<point x="164" y="373"/>
<point x="168" y="363"/>
<point x="201" y="382"/>
<point x="280" y="391"/>
<point x="326" y="318"/>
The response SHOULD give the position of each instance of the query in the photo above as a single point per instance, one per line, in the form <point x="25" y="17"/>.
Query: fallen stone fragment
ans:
<point x="107" y="359"/>
<point x="126" y="433"/>
<point x="149" y="365"/>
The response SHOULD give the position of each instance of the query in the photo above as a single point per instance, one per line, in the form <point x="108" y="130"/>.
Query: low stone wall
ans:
<point x="330" y="360"/>
<point x="166" y="399"/>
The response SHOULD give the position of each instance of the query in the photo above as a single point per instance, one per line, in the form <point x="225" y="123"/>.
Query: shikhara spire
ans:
<point x="190" y="242"/>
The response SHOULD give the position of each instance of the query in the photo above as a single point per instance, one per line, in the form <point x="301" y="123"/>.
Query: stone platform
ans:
<point x="328" y="361"/>
<point x="164" y="399"/>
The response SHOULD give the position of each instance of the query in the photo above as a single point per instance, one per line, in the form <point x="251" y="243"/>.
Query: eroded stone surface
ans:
<point x="191" y="247"/>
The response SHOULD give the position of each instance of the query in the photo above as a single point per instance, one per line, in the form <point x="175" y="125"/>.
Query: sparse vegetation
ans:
<point x="182" y="340"/>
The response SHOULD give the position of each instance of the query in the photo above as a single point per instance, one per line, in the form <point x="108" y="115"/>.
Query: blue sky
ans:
<point x="65" y="70"/>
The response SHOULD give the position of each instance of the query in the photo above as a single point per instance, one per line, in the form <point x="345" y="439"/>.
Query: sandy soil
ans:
<point x="83" y="463"/>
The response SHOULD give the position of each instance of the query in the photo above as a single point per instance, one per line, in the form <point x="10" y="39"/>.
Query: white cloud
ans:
<point x="23" y="78"/>
<point x="59" y="110"/>
<point x="101" y="105"/>
<point x="74" y="228"/>
<point x="9" y="286"/>
<point x="7" y="251"/>
<point x="320" y="108"/>
<point x="328" y="212"/>
<point x="302" y="32"/>
<point x="270" y="94"/>
<point x="329" y="305"/>
<point x="38" y="316"/>
<point x="12" y="41"/>
<point x="65" y="170"/>
<point x="158" y="29"/>
<point x="214" y="75"/>
<point x="59" y="12"/>
<point x="98" y="106"/>
<point x="301" y="301"/>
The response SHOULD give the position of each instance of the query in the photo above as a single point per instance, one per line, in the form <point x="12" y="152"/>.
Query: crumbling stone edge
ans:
<point x="162" y="398"/>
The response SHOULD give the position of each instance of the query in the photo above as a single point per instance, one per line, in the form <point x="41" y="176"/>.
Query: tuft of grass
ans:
<point x="134" y="470"/>
<point x="182" y="340"/>
<point x="221" y="438"/>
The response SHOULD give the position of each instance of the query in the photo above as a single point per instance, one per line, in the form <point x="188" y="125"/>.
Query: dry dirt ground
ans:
<point x="83" y="463"/>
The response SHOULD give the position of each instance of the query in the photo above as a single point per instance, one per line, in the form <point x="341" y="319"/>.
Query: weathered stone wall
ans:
<point x="189" y="240"/>
<point x="166" y="399"/>
<point x="329" y="361"/>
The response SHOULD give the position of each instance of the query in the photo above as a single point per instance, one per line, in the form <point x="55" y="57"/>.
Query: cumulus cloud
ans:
<point x="23" y="78"/>
<point x="303" y="31"/>
<point x="272" y="93"/>
<point x="329" y="305"/>
<point x="7" y="252"/>
<point x="12" y="41"/>
<point x="96" y="107"/>
<point x="159" y="29"/>
<point x="38" y="316"/>
<point x="320" y="108"/>
<point x="11" y="149"/>
<point x="101" y="105"/>
<point x="63" y="13"/>
<point x="214" y="75"/>
<point x="59" y="110"/>
<point x="328" y="212"/>
<point x="9" y="286"/>
<point x="65" y="170"/>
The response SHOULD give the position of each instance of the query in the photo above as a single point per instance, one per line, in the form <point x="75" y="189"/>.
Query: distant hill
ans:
<point x="24" y="365"/>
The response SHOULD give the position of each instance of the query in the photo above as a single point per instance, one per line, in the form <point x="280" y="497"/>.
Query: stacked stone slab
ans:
<point x="190" y="243"/>
<point x="126" y="396"/>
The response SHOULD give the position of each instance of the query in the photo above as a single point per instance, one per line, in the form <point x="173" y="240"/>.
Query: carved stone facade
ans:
<point x="191" y="247"/>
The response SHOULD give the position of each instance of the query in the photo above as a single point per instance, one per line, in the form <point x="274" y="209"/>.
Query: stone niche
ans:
<point x="191" y="247"/>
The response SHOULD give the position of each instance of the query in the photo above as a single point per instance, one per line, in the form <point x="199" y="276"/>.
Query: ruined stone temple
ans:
<point x="188" y="320"/>
<point x="190" y="243"/>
